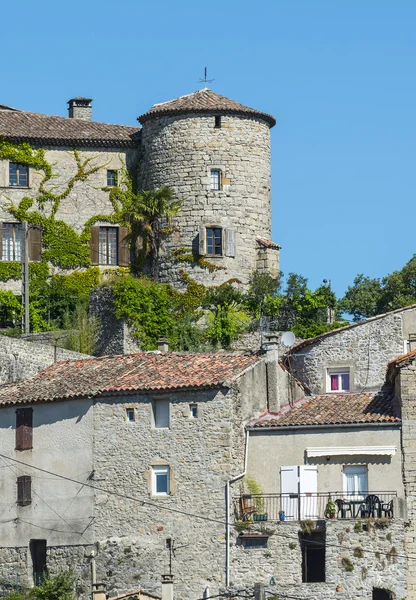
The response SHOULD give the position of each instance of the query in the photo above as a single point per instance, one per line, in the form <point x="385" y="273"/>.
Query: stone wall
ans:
<point x="20" y="359"/>
<point x="179" y="151"/>
<point x="406" y="392"/>
<point x="381" y="566"/>
<point x="365" y="349"/>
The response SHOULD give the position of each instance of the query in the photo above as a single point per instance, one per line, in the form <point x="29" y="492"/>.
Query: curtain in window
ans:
<point x="12" y="242"/>
<point x="334" y="382"/>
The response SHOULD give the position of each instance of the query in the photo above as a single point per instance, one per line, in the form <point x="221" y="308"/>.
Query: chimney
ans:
<point x="167" y="587"/>
<point x="271" y="346"/>
<point x="412" y="342"/>
<point x="99" y="591"/>
<point x="163" y="345"/>
<point x="80" y="108"/>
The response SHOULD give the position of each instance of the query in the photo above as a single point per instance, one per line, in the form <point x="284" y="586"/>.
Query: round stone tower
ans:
<point x="215" y="154"/>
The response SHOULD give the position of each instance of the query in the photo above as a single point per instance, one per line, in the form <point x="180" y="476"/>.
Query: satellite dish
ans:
<point x="288" y="339"/>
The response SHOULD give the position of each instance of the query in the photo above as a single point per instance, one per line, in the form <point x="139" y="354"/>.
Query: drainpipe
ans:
<point x="227" y="513"/>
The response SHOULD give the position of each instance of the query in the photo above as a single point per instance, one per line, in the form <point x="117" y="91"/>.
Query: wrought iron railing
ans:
<point x="322" y="505"/>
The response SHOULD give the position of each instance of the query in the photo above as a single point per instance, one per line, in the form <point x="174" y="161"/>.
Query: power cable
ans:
<point x="144" y="502"/>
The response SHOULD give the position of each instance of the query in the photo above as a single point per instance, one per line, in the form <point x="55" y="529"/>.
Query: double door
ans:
<point x="299" y="492"/>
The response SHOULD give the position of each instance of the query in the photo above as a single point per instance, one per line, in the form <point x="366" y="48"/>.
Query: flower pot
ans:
<point x="282" y="516"/>
<point x="260" y="517"/>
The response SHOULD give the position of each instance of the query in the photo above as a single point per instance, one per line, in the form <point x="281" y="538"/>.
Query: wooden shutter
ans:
<point x="123" y="247"/>
<point x="202" y="241"/>
<point x="24" y="490"/>
<point x="95" y="245"/>
<point x="230" y="242"/>
<point x="24" y="428"/>
<point x="35" y="243"/>
<point x="1" y="240"/>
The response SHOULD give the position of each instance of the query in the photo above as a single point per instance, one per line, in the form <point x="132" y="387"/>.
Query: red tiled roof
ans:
<point x="322" y="336"/>
<point x="332" y="409"/>
<point x="268" y="243"/>
<point x="145" y="371"/>
<point x="203" y="101"/>
<point x="22" y="126"/>
<point x="400" y="361"/>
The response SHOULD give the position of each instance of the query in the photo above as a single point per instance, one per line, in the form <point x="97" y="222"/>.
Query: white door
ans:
<point x="289" y="488"/>
<point x="308" y="475"/>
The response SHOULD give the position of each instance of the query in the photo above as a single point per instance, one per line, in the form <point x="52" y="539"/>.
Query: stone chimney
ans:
<point x="99" y="591"/>
<point x="271" y="346"/>
<point x="167" y="587"/>
<point x="80" y="108"/>
<point x="163" y="345"/>
<point x="412" y="342"/>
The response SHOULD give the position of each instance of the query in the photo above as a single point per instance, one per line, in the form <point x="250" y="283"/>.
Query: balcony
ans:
<point x="313" y="506"/>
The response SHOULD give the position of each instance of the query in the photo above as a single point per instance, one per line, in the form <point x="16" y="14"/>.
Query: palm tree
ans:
<point x="149" y="215"/>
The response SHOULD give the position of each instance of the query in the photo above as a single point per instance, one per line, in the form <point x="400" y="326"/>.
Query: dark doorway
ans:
<point x="313" y="556"/>
<point x="382" y="594"/>
<point x="38" y="554"/>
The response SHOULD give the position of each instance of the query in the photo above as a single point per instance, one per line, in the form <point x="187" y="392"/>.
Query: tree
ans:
<point x="362" y="299"/>
<point x="261" y="288"/>
<point x="226" y="318"/>
<point x="149" y="214"/>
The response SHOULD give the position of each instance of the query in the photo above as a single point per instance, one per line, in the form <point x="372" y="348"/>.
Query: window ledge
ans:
<point x="15" y="187"/>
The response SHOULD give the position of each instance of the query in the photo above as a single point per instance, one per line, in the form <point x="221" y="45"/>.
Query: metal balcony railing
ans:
<point x="322" y="505"/>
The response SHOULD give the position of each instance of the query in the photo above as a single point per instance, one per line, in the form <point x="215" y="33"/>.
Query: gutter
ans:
<point x="330" y="425"/>
<point x="227" y="512"/>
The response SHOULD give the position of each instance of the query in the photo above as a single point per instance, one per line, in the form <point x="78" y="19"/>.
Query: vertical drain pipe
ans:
<point x="227" y="513"/>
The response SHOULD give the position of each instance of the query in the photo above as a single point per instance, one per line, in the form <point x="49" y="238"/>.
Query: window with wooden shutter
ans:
<point x="24" y="427"/>
<point x="24" y="490"/>
<point x="95" y="245"/>
<point x="230" y="242"/>
<point x="34" y="236"/>
<point x="123" y="247"/>
<point x="202" y="241"/>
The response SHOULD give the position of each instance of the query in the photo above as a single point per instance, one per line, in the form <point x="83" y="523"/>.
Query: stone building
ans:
<point x="147" y="445"/>
<point x="214" y="152"/>
<point x="353" y="358"/>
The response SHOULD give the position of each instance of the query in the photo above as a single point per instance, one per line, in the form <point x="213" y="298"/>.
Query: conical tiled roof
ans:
<point x="203" y="101"/>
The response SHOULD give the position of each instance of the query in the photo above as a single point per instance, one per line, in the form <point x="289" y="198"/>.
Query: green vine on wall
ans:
<point x="184" y="255"/>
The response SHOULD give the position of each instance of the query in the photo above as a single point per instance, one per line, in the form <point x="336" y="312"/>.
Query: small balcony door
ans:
<point x="356" y="481"/>
<point x="299" y="487"/>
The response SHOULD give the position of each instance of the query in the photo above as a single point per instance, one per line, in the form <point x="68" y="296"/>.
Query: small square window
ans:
<point x="130" y="414"/>
<point x="193" y="410"/>
<point x="217" y="122"/>
<point x="215" y="179"/>
<point x="214" y="241"/>
<point x="338" y="380"/>
<point x="18" y="175"/>
<point x="111" y="178"/>
<point x="160" y="482"/>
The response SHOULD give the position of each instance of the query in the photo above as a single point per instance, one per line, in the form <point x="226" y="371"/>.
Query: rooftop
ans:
<point x="203" y="101"/>
<point x="332" y="409"/>
<point x="141" y="372"/>
<point x="323" y="336"/>
<point x="22" y="126"/>
<point x="397" y="363"/>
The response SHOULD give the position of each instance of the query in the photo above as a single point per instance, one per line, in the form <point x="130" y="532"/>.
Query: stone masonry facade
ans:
<point x="180" y="151"/>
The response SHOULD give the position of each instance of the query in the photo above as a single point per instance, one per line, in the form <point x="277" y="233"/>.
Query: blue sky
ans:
<point x="339" y="76"/>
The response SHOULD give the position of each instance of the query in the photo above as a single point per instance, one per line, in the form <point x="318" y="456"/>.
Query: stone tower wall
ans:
<point x="180" y="151"/>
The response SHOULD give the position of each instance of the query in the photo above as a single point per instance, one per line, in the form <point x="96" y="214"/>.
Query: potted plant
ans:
<point x="282" y="515"/>
<point x="330" y="509"/>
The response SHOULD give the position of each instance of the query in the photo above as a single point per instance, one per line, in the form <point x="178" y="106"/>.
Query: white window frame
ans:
<point x="12" y="242"/>
<point x="215" y="177"/>
<point x="160" y="470"/>
<point x="156" y="404"/>
<point x="338" y="371"/>
<point x="355" y="470"/>
<point x="192" y="406"/>
<point x="130" y="411"/>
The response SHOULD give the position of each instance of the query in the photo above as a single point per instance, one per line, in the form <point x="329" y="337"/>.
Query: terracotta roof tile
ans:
<point x="203" y="101"/>
<point x="145" y="371"/>
<point x="268" y="243"/>
<point x="22" y="126"/>
<point x="397" y="363"/>
<point x="333" y="409"/>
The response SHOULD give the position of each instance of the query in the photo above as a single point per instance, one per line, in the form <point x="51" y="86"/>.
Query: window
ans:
<point x="11" y="242"/>
<point x="160" y="483"/>
<point x="38" y="556"/>
<point x="217" y="122"/>
<point x="193" y="410"/>
<point x="108" y="243"/>
<point x="257" y="541"/>
<point x="24" y="490"/>
<point x="161" y="413"/>
<point x="130" y="414"/>
<point x="313" y="556"/>
<point x="338" y="380"/>
<point x="214" y="241"/>
<point x="24" y="421"/>
<point x="111" y="178"/>
<point x="18" y="175"/>
<point x="356" y="481"/>
<point x="215" y="179"/>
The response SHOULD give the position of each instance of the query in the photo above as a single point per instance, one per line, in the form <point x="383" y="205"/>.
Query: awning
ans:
<point x="351" y="451"/>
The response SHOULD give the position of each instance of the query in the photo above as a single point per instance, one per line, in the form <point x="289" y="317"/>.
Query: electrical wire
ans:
<point x="164" y="507"/>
